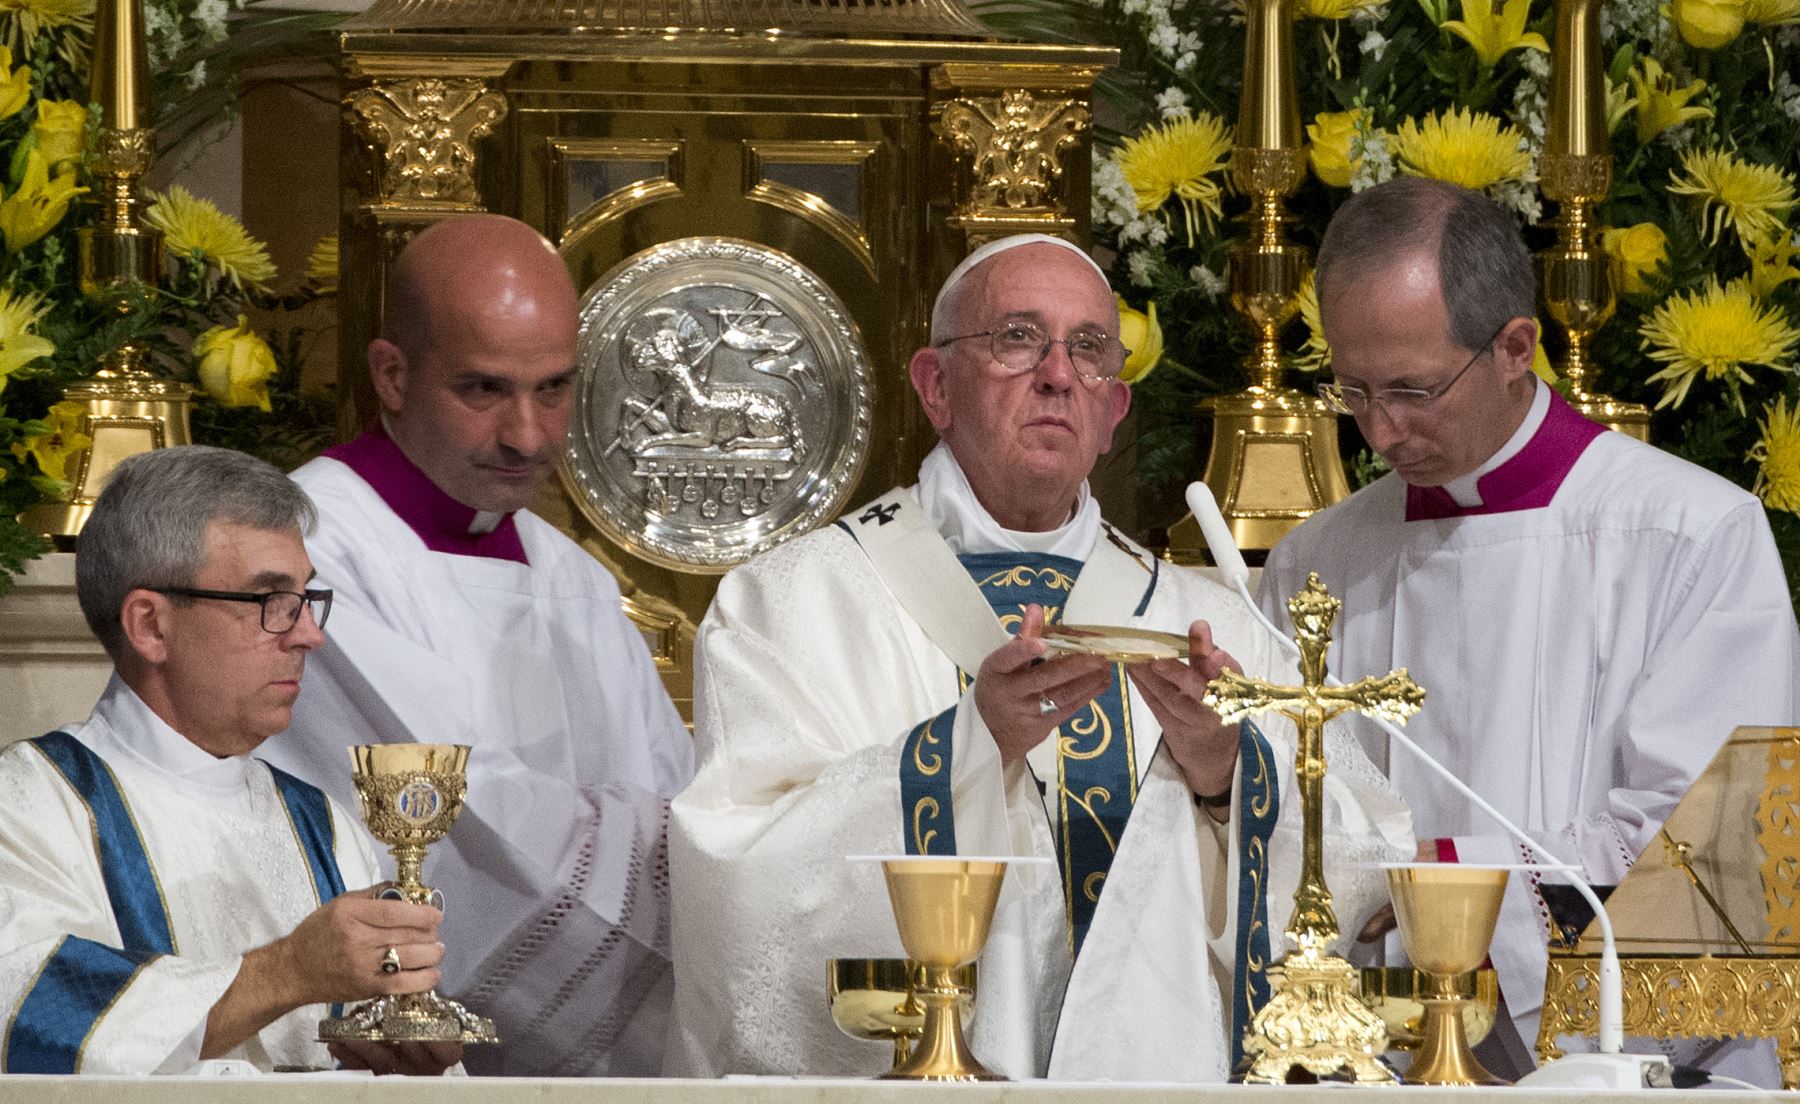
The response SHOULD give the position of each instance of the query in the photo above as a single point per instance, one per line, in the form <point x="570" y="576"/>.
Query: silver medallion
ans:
<point x="724" y="403"/>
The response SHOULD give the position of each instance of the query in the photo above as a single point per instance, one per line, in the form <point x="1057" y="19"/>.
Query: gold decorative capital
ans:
<point x="422" y="132"/>
<point x="1015" y="143"/>
<point x="1267" y="172"/>
<point x="1578" y="177"/>
<point x="128" y="152"/>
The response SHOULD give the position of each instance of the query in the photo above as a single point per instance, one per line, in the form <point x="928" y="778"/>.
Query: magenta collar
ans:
<point x="439" y="520"/>
<point x="1526" y="482"/>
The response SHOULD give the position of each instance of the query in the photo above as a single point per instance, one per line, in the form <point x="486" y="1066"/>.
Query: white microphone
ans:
<point x="1611" y="1004"/>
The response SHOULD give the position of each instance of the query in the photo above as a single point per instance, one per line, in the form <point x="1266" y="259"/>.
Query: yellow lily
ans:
<point x="1769" y="267"/>
<point x="1139" y="332"/>
<point x="39" y="204"/>
<point x="1772" y="13"/>
<point x="1661" y="105"/>
<point x="1496" y="33"/>
<point x="15" y="88"/>
<point x="63" y="439"/>
<point x="1619" y="102"/>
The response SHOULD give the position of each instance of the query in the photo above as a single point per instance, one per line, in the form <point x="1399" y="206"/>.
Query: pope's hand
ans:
<point x="1203" y="747"/>
<point x="336" y="953"/>
<point x="1022" y="696"/>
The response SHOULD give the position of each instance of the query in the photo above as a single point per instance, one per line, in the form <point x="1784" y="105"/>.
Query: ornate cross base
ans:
<point x="1314" y="1022"/>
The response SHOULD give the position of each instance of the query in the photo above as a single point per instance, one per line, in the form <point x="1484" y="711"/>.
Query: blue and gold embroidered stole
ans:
<point x="82" y="979"/>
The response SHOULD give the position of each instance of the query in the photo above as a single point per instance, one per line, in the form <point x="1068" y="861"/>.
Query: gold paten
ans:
<point x="1313" y="1021"/>
<point x="410" y="795"/>
<point x="1707" y="921"/>
<point x="877" y="999"/>
<point x="1446" y="915"/>
<point x="1274" y="456"/>
<point x="943" y="908"/>
<point x="872" y="142"/>
<point x="126" y="409"/>
<point x="1116" y="643"/>
<point x="1396" y="994"/>
<point x="1577" y="275"/>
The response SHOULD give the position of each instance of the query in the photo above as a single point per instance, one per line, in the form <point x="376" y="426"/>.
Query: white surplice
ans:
<point x="1582" y="660"/>
<point x="225" y="856"/>
<point x="810" y="677"/>
<point x="555" y="874"/>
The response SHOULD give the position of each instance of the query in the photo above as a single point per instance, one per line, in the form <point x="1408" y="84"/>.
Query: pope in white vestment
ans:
<point x="499" y="632"/>
<point x="138" y="870"/>
<point x="1588" y="633"/>
<point x="835" y="716"/>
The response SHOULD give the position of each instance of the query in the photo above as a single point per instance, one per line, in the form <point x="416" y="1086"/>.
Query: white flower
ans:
<point x="1374" y="44"/>
<point x="1207" y="281"/>
<point x="1373" y="161"/>
<point x="1172" y="103"/>
<point x="1521" y="196"/>
<point x="197" y="75"/>
<point x="1165" y="39"/>
<point x="1139" y="264"/>
<point x="1186" y="61"/>
<point x="210" y="14"/>
<point x="1114" y="201"/>
<point x="1788" y="94"/>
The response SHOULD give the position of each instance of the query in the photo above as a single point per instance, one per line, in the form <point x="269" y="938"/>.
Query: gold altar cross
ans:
<point x="1313" y="1019"/>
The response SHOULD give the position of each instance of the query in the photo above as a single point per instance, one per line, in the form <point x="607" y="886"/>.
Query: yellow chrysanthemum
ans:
<point x="63" y="439"/>
<point x="1769" y="263"/>
<point x="1338" y="9"/>
<point x="1315" y="355"/>
<point x="31" y="17"/>
<point x="322" y="264"/>
<point x="1715" y="332"/>
<point x="1178" y="158"/>
<point x="1463" y="147"/>
<point x="1769" y="13"/>
<point x="1777" y="456"/>
<point x="193" y="225"/>
<point x="1496" y="29"/>
<point x="1661" y="105"/>
<point x="1752" y="199"/>
<point x="19" y="345"/>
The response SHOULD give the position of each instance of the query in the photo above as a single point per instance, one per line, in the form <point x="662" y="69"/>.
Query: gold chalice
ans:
<point x="410" y="795"/>
<point x="943" y="908"/>
<point x="876" y="999"/>
<point x="1447" y="914"/>
<point x="1396" y="994"/>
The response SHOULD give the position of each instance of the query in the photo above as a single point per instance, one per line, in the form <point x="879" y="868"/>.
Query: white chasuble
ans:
<point x="555" y="875"/>
<point x="815" y="683"/>
<point x="135" y="871"/>
<point x="1587" y="639"/>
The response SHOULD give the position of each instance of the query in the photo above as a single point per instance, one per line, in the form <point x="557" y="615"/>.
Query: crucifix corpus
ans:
<point x="1313" y="1020"/>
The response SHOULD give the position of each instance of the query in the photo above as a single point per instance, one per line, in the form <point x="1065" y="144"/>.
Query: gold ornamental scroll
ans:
<point x="1707" y="920"/>
<point x="861" y="148"/>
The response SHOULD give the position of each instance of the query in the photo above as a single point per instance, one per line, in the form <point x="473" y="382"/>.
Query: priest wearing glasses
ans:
<point x="882" y="686"/>
<point x="165" y="898"/>
<point x="1591" y="616"/>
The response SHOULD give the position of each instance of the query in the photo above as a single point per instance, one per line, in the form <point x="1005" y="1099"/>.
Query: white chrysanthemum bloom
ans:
<point x="1139" y="264"/>
<point x="1207" y="281"/>
<point x="1172" y="103"/>
<point x="1374" y="44"/>
<point x="1157" y="232"/>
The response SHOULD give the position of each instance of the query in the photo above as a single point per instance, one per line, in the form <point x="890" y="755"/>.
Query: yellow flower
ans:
<point x="1715" y="331"/>
<point x="1178" y="158"/>
<point x="1619" y="102"/>
<point x="1660" y="104"/>
<point x="39" y="204"/>
<point x="61" y="131"/>
<point x="1768" y="13"/>
<point x="235" y="365"/>
<point x="15" y="90"/>
<point x="1315" y="355"/>
<point x="1139" y="332"/>
<point x="1778" y="457"/>
<point x="1540" y="360"/>
<point x="30" y="17"/>
<point x="1338" y="9"/>
<point x="1753" y="199"/>
<point x="193" y="225"/>
<point x="63" y="439"/>
<point x="19" y="346"/>
<point x="322" y="264"/>
<point x="1468" y="148"/>
<point x="1330" y="134"/>
<point x="1708" y="24"/>
<point x="1639" y="250"/>
<point x="1769" y="267"/>
<point x="1494" y="34"/>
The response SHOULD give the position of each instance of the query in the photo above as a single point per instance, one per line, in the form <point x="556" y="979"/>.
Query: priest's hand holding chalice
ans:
<point x="410" y="795"/>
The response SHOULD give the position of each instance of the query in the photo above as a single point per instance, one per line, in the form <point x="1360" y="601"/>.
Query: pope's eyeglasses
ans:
<point x="280" y="608"/>
<point x="1347" y="398"/>
<point x="1019" y="347"/>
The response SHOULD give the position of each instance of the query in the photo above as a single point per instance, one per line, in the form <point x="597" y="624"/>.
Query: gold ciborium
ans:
<point x="410" y="796"/>
<point x="943" y="907"/>
<point x="877" y="999"/>
<point x="1447" y="914"/>
<point x="1397" y="995"/>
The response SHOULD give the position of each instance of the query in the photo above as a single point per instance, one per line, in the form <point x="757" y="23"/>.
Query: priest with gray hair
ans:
<point x="165" y="898"/>
<point x="884" y="686"/>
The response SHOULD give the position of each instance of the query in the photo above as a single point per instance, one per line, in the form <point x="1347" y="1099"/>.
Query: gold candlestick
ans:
<point x="1576" y="172"/>
<point x="1314" y="1021"/>
<point x="410" y="796"/>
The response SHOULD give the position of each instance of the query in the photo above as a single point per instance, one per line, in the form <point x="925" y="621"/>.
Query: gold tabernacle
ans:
<point x="1708" y="918"/>
<point x="1314" y="1021"/>
<point x="410" y="796"/>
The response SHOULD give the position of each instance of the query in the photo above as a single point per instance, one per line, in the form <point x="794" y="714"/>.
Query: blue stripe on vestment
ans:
<point x="78" y="984"/>
<point x="1259" y="805"/>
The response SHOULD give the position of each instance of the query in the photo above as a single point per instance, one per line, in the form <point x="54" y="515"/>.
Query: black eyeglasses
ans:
<point x="280" y="608"/>
<point x="1019" y="347"/>
<point x="1345" y="398"/>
